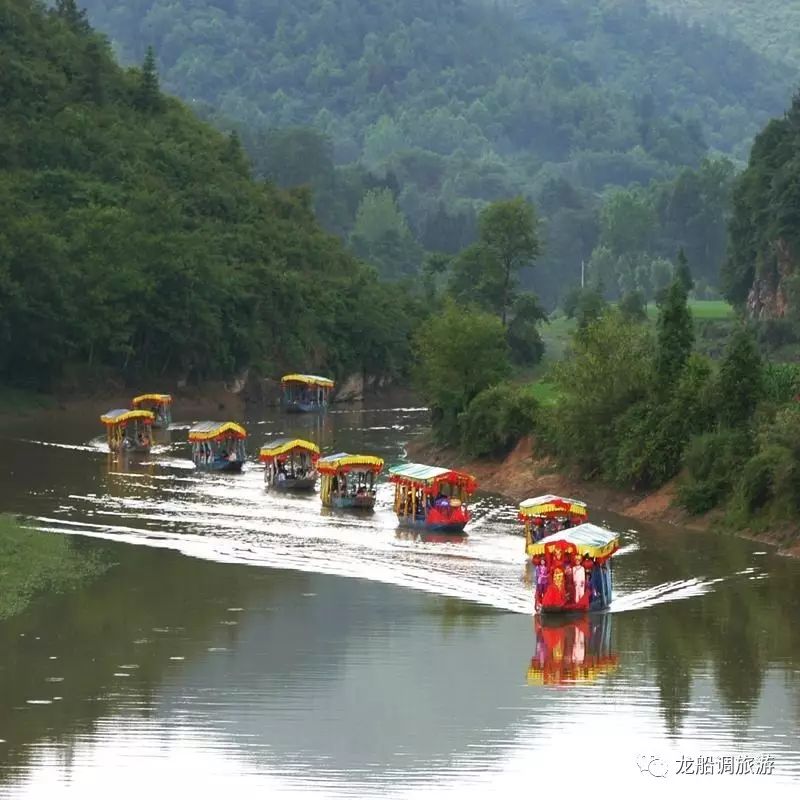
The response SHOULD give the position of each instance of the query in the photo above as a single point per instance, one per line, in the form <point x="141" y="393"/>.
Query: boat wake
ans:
<point x="663" y="593"/>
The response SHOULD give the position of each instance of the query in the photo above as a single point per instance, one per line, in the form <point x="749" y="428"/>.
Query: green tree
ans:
<point x="148" y="94"/>
<point x="73" y="16"/>
<point x="682" y="272"/>
<point x="675" y="331"/>
<point x="740" y="380"/>
<point x="381" y="236"/>
<point x="524" y="340"/>
<point x="609" y="371"/>
<point x="633" y="306"/>
<point x="508" y="232"/>
<point x="460" y="352"/>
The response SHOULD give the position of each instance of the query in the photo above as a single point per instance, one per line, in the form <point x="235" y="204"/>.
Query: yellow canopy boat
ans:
<point x="348" y="481"/>
<point x="218" y="445"/>
<point x="128" y="430"/>
<point x="159" y="404"/>
<point x="306" y="392"/>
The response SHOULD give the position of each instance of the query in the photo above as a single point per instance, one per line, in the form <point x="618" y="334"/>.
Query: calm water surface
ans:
<point x="253" y="644"/>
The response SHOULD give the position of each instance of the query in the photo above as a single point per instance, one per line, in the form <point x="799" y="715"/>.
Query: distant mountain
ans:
<point x="770" y="27"/>
<point x="455" y="103"/>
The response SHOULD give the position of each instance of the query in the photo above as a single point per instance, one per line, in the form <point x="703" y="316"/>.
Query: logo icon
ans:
<point x="653" y="765"/>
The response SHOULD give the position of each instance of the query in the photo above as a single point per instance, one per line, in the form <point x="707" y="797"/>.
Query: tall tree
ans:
<point x="675" y="335"/>
<point x="459" y="353"/>
<point x="74" y="17"/>
<point x="148" y="94"/>
<point x="740" y="381"/>
<point x="508" y="232"/>
<point x="683" y="273"/>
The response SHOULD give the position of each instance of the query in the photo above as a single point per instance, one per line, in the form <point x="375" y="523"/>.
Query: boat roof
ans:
<point x="347" y="461"/>
<point x="552" y="504"/>
<point x="422" y="474"/>
<point x="119" y="415"/>
<point x="156" y="398"/>
<point x="311" y="380"/>
<point x="586" y="538"/>
<point x="215" y="430"/>
<point x="278" y="447"/>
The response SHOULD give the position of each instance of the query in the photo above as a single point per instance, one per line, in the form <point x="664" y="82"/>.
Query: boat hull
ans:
<point x="434" y="527"/>
<point x="295" y="485"/>
<point x="364" y="503"/>
<point x="134" y="449"/>
<point x="221" y="466"/>
<point x="566" y="611"/>
<point x="296" y="407"/>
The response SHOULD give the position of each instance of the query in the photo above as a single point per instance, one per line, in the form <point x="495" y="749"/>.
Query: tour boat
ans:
<point x="305" y="392"/>
<point x="290" y="464"/>
<point x="128" y="431"/>
<point x="574" y="651"/>
<point x="434" y="498"/>
<point x="218" y="446"/>
<point x="548" y="514"/>
<point x="348" y="481"/>
<point x="159" y="404"/>
<point x="572" y="569"/>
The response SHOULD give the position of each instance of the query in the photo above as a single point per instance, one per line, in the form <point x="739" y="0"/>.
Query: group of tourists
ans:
<point x="544" y="526"/>
<point x="571" y="580"/>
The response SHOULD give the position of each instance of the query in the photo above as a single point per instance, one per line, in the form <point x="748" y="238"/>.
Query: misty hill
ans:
<point x="770" y="27"/>
<point x="134" y="242"/>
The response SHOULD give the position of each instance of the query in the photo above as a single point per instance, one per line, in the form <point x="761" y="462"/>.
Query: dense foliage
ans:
<point x="768" y="26"/>
<point x="451" y="104"/>
<point x="133" y="240"/>
<point x="765" y="229"/>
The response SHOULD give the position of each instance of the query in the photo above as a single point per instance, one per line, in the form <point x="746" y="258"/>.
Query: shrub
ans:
<point x="497" y="419"/>
<point x="712" y="462"/>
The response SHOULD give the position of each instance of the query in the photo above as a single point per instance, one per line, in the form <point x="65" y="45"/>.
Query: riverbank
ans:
<point x="208" y="400"/>
<point x="34" y="563"/>
<point x="524" y="473"/>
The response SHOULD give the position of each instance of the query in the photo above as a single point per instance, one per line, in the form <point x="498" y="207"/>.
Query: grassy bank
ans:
<point x="20" y="401"/>
<point x="34" y="563"/>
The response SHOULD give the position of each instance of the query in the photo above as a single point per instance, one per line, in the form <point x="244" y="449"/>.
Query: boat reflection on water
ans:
<point x="430" y="537"/>
<point x="572" y="651"/>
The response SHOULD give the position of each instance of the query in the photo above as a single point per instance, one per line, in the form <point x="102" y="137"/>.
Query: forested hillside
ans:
<point x="763" y="269"/>
<point x="134" y="242"/>
<point x="769" y="26"/>
<point x="450" y="104"/>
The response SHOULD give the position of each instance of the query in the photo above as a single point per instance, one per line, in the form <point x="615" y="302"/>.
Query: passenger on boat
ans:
<point x="541" y="578"/>
<point x="554" y="594"/>
<point x="587" y="568"/>
<point x="569" y="585"/>
<point x="578" y="578"/>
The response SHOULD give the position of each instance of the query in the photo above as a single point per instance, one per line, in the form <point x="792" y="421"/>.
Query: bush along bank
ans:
<point x="34" y="563"/>
<point x="636" y="407"/>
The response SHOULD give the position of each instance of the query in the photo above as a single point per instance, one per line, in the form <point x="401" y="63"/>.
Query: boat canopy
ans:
<point x="310" y="380"/>
<point x="423" y="476"/>
<point x="552" y="505"/>
<point x="346" y="462"/>
<point x="118" y="416"/>
<point x="161" y="399"/>
<point x="586" y="538"/>
<point x="205" y="431"/>
<point x="281" y="447"/>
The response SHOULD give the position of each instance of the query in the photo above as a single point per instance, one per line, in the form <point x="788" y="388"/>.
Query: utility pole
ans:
<point x="583" y="273"/>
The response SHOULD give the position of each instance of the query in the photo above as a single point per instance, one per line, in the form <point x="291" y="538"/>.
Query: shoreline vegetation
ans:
<point x="34" y="563"/>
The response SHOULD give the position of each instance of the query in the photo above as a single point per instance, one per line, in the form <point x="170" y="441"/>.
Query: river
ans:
<point x="251" y="644"/>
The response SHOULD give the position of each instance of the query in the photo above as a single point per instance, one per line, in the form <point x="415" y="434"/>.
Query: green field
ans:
<point x="702" y="309"/>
